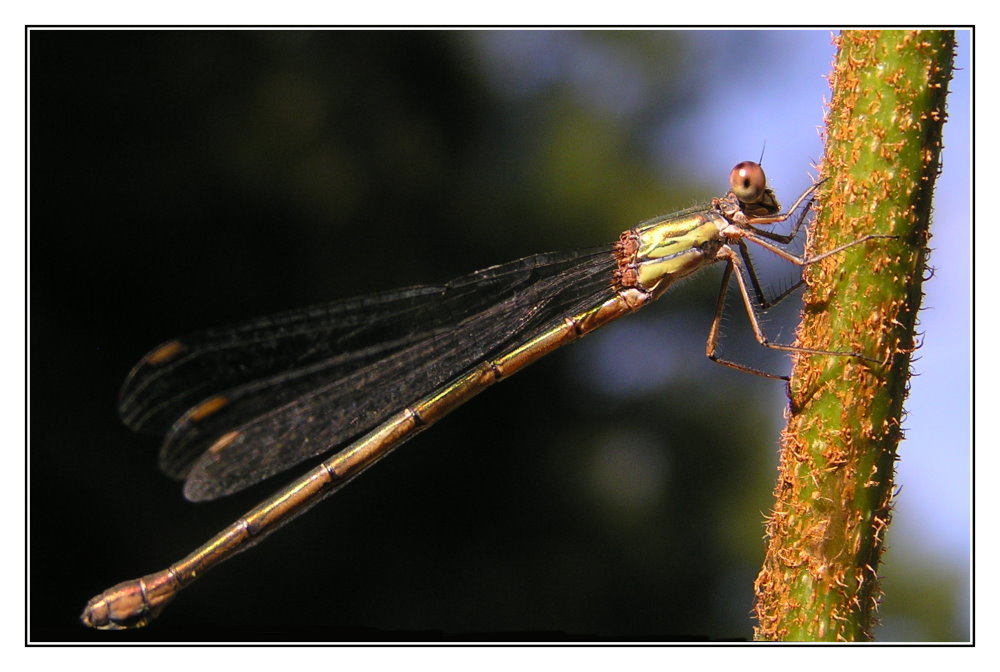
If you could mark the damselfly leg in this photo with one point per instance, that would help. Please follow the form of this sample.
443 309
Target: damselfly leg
745 228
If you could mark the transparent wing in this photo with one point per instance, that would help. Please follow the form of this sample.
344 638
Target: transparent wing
242 403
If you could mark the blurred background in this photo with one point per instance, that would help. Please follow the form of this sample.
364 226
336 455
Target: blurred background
616 490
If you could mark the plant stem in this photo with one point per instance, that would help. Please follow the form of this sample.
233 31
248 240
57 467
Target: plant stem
833 497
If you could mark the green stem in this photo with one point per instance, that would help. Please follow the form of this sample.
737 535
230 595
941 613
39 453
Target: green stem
819 581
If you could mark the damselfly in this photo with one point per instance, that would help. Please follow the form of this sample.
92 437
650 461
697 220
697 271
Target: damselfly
361 376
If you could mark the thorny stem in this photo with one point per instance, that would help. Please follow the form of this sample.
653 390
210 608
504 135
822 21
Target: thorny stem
833 497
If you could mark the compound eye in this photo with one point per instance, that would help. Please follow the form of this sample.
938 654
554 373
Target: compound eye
747 182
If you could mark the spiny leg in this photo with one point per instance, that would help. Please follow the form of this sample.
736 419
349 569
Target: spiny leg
763 302
777 219
713 331
802 261
798 261
749 222
733 262
745 253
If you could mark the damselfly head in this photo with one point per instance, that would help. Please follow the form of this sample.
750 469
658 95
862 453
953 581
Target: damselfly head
747 182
